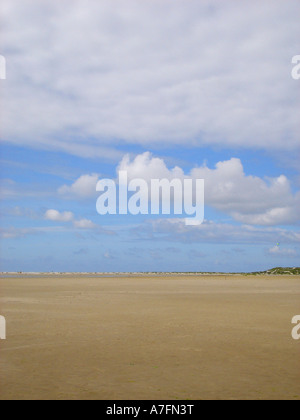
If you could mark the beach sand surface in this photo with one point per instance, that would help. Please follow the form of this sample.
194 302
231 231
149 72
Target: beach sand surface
149 337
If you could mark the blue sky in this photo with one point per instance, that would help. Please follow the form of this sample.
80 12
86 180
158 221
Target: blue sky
202 87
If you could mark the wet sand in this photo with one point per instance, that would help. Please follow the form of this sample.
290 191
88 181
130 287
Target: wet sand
150 337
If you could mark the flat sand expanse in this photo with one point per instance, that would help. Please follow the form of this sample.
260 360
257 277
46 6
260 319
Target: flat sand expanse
180 337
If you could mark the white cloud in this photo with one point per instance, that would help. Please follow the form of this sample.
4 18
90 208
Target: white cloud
8 189
81 79
84 224
275 216
56 216
147 166
83 187
12 190
248 199
13 233
68 217
176 231
282 252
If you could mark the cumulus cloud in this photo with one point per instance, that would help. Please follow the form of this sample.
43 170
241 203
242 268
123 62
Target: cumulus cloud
56 216
83 187
82 79
67 216
248 199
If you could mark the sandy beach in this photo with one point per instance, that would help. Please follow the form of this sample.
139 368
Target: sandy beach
149 337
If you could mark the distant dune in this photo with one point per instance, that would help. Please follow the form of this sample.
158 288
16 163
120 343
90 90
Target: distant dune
293 271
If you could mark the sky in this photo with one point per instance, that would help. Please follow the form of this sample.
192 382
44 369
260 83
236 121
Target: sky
160 89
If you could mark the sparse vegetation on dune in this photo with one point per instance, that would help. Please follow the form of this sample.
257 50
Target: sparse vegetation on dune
292 271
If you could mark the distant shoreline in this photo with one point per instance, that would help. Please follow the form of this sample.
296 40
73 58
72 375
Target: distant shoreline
279 271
